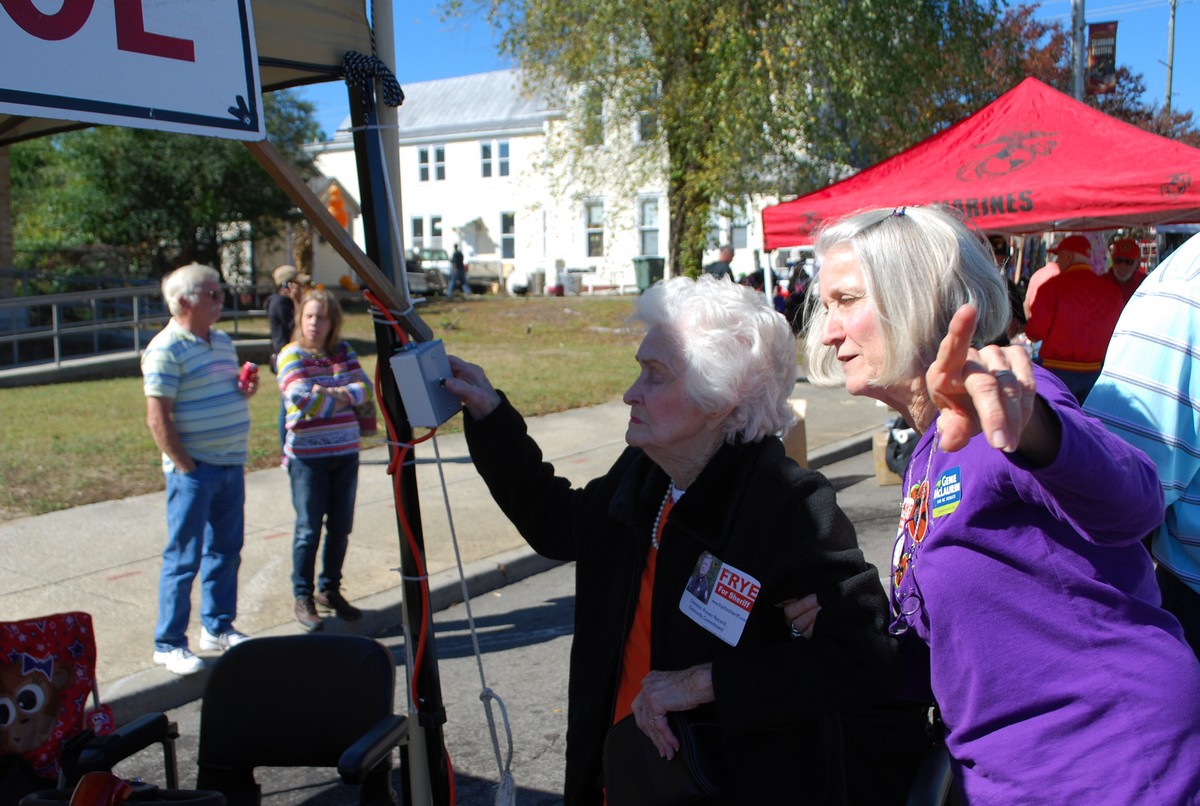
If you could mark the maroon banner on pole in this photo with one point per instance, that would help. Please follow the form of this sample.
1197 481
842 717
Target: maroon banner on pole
1102 58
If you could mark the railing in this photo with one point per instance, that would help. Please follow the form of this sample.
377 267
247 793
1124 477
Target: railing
55 327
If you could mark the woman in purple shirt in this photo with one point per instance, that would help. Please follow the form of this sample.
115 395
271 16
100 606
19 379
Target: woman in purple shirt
1020 586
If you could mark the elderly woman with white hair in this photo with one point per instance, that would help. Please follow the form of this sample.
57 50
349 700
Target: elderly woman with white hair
1019 579
704 484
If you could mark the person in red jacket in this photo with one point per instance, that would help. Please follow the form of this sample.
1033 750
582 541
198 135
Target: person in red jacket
1126 270
1073 316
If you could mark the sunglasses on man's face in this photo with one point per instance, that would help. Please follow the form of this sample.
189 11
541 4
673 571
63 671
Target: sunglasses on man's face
1127 261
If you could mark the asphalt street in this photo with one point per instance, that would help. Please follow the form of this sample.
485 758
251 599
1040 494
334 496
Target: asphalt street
524 632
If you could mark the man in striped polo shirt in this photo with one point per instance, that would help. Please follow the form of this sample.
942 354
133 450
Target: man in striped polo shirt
1149 394
200 420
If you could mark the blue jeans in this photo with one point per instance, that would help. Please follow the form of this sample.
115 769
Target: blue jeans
458 280
323 491
282 422
1079 383
205 530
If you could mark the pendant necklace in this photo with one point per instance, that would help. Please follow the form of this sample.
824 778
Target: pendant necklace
914 526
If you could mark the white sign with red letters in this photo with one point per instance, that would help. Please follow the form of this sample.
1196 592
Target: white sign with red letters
723 603
173 65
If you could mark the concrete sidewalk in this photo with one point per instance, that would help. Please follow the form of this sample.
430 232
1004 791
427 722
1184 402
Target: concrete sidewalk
104 558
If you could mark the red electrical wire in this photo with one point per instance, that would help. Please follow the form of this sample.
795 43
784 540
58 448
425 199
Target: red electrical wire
393 469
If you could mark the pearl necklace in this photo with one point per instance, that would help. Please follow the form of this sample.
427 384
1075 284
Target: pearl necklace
658 518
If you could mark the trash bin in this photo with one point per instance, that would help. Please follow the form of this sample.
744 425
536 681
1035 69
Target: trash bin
537 283
573 285
649 270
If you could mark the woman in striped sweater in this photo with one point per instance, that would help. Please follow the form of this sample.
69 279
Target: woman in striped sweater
321 382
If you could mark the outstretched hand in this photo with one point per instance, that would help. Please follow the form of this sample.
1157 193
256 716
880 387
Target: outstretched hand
472 386
991 389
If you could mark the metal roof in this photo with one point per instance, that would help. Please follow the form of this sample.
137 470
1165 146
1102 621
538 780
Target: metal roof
467 106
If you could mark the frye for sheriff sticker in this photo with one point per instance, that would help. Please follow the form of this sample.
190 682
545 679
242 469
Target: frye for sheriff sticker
719 598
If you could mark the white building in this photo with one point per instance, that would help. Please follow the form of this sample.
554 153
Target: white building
477 167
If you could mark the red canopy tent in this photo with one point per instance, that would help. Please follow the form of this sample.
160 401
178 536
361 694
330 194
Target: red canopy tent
1032 160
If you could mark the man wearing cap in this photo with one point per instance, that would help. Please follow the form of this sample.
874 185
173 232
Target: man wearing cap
1073 316
1126 270
281 314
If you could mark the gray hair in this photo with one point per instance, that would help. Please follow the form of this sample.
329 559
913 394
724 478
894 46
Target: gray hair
185 283
919 265
739 351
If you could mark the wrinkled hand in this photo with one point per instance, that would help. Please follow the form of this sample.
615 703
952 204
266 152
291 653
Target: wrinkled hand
473 388
990 390
670 691
801 614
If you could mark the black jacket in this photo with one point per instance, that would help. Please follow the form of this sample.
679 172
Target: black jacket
754 509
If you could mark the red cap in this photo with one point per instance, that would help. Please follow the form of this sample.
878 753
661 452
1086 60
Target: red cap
1074 243
1125 248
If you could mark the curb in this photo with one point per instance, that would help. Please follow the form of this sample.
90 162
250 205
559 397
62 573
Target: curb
156 689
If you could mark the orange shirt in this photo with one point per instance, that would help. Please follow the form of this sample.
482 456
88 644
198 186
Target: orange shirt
635 665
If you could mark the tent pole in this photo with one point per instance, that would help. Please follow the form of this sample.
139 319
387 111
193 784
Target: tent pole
428 769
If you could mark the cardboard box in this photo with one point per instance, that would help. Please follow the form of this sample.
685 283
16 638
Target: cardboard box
795 441
883 474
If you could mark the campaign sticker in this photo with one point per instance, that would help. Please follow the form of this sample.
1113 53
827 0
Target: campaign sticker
719 598
947 493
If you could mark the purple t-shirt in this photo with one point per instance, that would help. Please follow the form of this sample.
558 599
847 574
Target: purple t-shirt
1059 676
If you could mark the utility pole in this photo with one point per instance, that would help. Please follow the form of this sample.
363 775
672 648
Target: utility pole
1170 58
1079 62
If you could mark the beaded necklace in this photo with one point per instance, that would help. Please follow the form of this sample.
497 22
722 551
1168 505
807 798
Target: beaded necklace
662 508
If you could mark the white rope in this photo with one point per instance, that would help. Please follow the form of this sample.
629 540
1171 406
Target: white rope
506 794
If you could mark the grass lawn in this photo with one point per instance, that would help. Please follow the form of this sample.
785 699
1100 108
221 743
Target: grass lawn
77 443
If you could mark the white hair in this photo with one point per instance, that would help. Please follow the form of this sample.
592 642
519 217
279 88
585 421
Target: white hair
739 351
185 283
919 266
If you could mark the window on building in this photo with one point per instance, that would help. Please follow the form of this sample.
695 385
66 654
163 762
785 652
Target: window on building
648 225
493 158
593 215
423 164
439 163
592 120
418 233
647 126
508 235
739 227
435 232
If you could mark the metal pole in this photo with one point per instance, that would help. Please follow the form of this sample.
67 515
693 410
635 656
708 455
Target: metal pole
1079 63
428 769
1170 58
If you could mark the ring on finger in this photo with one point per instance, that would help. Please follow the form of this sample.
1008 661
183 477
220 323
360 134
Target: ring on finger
1004 375
795 631
660 716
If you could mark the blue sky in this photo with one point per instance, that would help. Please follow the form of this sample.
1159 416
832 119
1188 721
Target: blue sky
428 48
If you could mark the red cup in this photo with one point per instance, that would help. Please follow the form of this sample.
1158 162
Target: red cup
249 373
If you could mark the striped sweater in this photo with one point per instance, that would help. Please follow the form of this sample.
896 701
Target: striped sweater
317 425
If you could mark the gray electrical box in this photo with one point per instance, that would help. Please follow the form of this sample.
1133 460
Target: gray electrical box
419 370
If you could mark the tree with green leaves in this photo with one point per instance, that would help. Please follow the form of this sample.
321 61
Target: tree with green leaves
754 95
776 96
162 198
